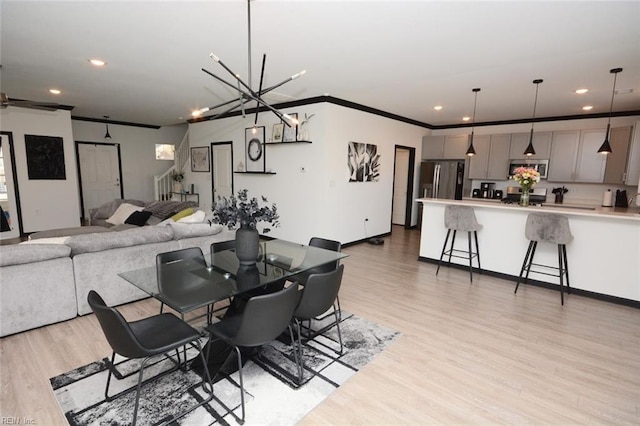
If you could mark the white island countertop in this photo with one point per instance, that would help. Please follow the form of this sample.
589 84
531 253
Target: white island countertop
603 258
629 213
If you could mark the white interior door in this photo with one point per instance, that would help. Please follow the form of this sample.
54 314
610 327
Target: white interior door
222 169
99 173
398 216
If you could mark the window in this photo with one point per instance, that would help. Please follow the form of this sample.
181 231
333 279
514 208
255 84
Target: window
165 151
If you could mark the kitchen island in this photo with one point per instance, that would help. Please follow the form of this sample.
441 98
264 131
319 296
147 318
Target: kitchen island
603 258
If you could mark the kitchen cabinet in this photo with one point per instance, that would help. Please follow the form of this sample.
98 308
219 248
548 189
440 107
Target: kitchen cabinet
589 164
520 141
616 162
453 147
492 157
633 165
574 157
564 151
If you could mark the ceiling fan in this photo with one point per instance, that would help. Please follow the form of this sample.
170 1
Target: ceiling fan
47 106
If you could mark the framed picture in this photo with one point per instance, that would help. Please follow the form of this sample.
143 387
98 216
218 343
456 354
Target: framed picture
45 157
200 159
254 149
278 131
291 132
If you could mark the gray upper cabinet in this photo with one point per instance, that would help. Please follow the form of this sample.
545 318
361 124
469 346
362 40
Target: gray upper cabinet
590 165
633 165
564 151
541 144
444 147
492 157
478 163
616 163
575 158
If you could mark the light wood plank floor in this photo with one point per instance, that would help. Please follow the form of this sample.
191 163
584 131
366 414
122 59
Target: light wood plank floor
468 354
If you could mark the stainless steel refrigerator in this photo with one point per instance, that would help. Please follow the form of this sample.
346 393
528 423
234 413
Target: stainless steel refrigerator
442 179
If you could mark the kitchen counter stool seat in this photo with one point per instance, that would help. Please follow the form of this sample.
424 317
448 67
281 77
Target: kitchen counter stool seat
461 218
547 228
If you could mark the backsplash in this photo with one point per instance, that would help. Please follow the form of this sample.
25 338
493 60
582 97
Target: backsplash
579 193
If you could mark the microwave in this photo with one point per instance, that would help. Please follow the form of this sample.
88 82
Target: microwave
541 166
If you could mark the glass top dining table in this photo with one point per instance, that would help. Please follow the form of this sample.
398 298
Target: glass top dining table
189 284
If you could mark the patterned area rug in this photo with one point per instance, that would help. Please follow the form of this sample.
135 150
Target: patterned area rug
272 396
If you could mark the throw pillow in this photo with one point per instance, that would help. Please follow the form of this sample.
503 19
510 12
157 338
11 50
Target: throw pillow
197 217
138 218
184 213
122 213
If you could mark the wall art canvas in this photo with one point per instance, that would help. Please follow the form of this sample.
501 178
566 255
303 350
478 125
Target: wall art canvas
364 162
200 159
45 157
291 132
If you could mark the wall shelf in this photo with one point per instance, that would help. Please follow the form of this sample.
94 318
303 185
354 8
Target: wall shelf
257 173
286 143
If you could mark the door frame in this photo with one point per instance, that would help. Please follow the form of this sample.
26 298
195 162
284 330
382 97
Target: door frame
14 175
78 143
212 144
410 181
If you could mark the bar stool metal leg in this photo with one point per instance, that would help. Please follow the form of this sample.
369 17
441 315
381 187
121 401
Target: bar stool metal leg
470 257
566 266
475 236
453 241
561 273
444 248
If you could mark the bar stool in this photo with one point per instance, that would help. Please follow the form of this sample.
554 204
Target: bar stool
547 228
460 218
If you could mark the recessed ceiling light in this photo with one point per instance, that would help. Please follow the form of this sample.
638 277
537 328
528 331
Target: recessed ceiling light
587 107
582 91
437 107
97 62
466 118
55 91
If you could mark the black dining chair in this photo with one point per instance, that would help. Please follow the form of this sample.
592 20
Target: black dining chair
146 338
317 296
326 244
170 257
262 320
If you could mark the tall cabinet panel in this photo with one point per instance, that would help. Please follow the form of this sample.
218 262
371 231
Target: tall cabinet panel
452 147
564 151
590 165
541 144
498 167
633 165
478 163
616 163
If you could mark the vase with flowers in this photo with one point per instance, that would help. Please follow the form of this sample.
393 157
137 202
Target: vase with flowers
244 214
527 179
178 177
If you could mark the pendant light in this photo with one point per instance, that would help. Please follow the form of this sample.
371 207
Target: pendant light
530 151
605 148
471 150
107 136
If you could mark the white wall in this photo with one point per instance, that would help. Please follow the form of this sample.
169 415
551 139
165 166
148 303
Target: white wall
579 193
137 150
45 204
319 201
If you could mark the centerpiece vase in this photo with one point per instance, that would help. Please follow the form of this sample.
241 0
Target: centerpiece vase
247 245
524 198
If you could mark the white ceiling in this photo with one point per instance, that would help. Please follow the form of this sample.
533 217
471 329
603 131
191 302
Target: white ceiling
402 57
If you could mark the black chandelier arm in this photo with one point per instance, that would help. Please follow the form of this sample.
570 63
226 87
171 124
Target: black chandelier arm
218 60
251 96
264 59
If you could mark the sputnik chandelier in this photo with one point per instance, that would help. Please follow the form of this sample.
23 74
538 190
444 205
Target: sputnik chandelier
245 92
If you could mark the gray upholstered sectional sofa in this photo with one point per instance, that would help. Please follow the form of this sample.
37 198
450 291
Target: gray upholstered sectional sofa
42 284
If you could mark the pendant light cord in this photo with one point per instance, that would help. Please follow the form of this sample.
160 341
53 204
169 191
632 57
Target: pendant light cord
613 92
535 102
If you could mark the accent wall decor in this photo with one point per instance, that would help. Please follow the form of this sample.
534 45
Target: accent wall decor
364 162
278 130
45 157
254 149
200 159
